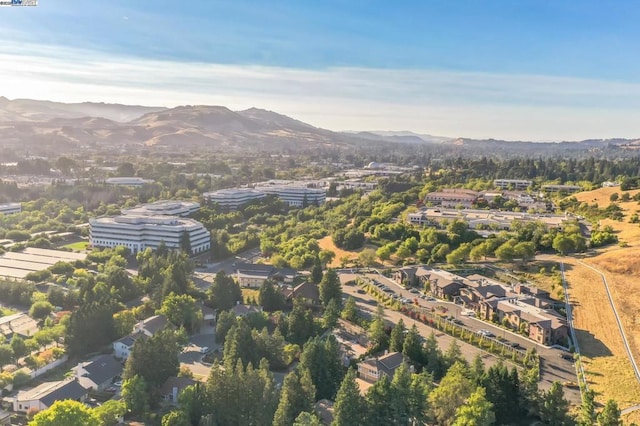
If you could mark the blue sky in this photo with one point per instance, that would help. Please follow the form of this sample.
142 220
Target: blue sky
538 70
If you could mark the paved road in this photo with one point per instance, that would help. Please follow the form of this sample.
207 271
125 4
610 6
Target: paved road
553 367
191 356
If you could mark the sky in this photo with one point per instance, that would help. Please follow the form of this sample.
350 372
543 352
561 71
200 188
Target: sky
541 70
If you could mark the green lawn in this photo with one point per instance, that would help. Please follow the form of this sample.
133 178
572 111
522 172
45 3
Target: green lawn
80 245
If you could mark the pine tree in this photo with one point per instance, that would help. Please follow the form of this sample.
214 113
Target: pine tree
298 395
588 408
412 346
330 287
553 407
610 415
321 357
455 387
396 340
476 411
349 406
379 412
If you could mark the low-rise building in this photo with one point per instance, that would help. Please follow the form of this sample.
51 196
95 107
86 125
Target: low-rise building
122 347
296 195
20 324
253 275
10 208
372 369
561 188
164 208
173 386
127 181
99 373
512 183
150 326
43 396
137 232
452 197
234 198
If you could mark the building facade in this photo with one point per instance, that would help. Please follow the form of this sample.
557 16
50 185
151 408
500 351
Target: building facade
164 208
10 208
140 232
512 183
296 195
234 198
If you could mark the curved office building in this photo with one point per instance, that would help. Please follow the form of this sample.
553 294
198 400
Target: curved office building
139 232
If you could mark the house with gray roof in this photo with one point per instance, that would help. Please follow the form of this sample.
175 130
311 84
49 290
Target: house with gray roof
43 396
99 373
372 369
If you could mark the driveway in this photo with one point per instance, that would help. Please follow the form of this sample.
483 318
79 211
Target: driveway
191 356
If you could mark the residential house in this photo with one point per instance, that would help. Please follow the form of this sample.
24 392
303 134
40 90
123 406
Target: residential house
252 275
18 324
43 396
123 347
173 386
99 373
307 292
151 325
372 369
208 315
241 310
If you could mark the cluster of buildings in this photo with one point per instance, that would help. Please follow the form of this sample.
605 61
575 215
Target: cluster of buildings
293 193
522 307
484 219
10 208
149 226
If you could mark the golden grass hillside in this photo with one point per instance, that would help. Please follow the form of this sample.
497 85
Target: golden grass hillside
608 367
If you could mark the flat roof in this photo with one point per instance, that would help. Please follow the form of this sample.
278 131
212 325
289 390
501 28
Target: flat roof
19 264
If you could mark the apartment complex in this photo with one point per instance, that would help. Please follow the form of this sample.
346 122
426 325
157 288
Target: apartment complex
10 208
137 232
512 183
521 307
234 198
164 208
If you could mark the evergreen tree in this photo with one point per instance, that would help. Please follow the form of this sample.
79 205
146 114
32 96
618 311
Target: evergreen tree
476 411
610 415
331 315
396 341
321 357
412 346
270 298
135 394
300 324
298 395
224 292
350 310
349 408
239 345
379 411
553 406
454 389
377 333
588 408
502 390
330 287
154 359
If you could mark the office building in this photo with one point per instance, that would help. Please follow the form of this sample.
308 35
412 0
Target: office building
140 232
164 208
234 198
10 208
512 183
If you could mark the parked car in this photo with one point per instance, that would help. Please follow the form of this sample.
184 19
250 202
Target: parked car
571 385
360 291
204 349
486 333
566 355
513 345
414 291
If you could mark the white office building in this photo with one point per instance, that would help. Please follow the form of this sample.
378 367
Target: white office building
127 181
164 208
296 195
139 232
234 198
512 183
10 208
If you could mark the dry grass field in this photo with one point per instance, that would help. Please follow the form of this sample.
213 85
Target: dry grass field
608 368
326 243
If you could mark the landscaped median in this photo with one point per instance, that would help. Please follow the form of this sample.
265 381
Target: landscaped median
438 321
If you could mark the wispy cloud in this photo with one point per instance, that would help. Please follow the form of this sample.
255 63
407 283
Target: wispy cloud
438 102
